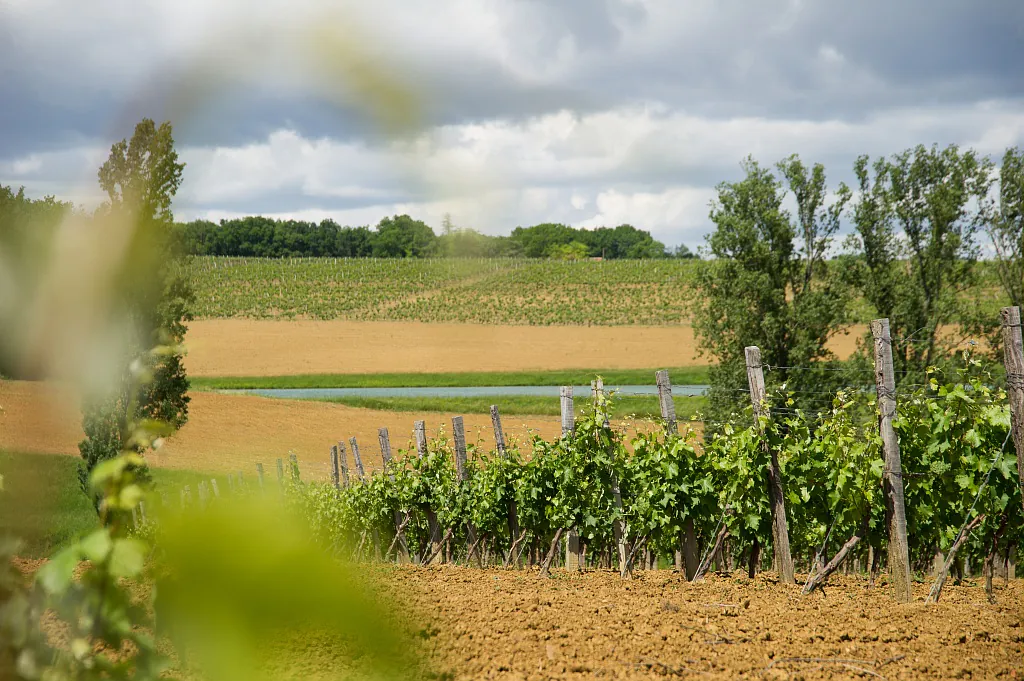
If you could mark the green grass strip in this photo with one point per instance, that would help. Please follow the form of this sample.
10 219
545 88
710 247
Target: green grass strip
515 405
679 375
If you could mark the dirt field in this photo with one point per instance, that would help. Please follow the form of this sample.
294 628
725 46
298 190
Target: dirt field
242 347
233 432
499 624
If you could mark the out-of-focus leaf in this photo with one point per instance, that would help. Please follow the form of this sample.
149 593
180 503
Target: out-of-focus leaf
127 557
55 576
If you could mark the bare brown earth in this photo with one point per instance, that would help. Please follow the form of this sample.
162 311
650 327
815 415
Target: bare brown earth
244 347
227 433
496 624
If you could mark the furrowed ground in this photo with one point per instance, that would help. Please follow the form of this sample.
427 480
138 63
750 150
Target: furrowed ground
502 624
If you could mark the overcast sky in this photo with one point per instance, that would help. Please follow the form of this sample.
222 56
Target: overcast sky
501 113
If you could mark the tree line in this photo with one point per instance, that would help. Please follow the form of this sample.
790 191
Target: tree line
402 236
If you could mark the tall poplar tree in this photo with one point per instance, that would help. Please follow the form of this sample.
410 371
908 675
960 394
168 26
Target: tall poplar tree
140 178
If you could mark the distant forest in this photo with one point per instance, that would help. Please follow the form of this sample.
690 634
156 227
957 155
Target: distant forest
404 237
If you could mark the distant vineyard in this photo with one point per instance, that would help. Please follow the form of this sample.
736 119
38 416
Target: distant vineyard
489 291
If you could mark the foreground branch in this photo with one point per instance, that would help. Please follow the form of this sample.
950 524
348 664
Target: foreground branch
832 566
705 564
512 550
545 568
940 580
398 535
440 545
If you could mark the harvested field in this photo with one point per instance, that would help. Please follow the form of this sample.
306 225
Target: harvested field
243 347
500 624
233 432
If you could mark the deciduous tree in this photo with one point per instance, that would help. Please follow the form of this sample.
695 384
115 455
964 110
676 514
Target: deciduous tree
769 283
916 217
140 178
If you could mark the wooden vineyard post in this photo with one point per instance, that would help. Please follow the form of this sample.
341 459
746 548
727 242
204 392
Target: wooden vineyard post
419 429
499 444
499 434
686 555
280 473
401 519
619 531
259 474
384 440
568 415
459 437
573 550
213 486
355 457
343 462
892 482
780 528
335 471
293 461
1013 357
668 407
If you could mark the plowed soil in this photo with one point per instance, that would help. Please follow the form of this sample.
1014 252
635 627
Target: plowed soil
244 347
227 433
498 624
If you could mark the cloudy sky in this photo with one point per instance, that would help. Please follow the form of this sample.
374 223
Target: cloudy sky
499 112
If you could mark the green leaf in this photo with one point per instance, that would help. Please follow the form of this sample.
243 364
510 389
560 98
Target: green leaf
56 575
95 546
128 557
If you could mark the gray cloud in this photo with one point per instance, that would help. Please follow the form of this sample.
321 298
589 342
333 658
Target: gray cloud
826 79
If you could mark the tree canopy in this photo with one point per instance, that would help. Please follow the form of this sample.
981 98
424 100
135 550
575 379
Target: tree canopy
402 236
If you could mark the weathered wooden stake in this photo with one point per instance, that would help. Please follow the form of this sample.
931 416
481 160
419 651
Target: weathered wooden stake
568 415
355 457
668 407
293 460
1013 357
419 429
885 386
384 440
280 473
573 553
499 434
776 495
335 470
259 474
401 519
213 486
343 462
459 437
499 443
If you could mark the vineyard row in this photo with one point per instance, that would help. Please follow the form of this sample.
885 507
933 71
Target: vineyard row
891 486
